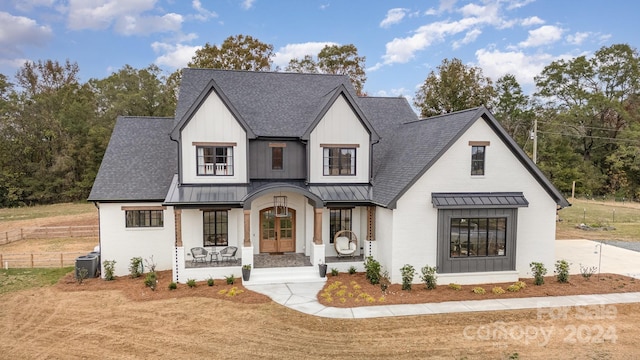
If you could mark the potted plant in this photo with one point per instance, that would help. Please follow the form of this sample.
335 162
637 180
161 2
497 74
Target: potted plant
246 272
322 267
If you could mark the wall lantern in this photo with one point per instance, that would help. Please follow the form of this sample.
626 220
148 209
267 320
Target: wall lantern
280 206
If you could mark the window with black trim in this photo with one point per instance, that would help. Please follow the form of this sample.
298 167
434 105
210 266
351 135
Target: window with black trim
144 218
339 219
477 237
216 227
338 161
277 159
215 160
477 160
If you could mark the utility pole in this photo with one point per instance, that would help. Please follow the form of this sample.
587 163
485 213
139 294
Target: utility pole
534 137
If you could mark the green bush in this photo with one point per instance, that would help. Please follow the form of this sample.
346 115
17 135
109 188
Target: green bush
210 281
539 272
135 267
151 280
173 286
384 281
407 272
191 283
81 274
109 269
456 287
478 290
352 270
562 271
230 279
334 272
498 290
372 270
429 276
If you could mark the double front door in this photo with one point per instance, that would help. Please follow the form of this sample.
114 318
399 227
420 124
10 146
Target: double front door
277 233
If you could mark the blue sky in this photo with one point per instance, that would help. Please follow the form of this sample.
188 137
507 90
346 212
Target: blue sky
401 40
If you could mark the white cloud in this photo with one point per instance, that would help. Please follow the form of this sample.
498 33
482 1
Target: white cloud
247 4
531 21
144 25
17 32
470 37
203 14
28 5
524 66
175 56
324 6
577 38
543 35
126 16
292 51
394 16
515 4
445 6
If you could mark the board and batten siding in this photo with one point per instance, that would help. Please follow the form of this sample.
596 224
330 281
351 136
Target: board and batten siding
339 125
213 123
294 160
415 220
119 243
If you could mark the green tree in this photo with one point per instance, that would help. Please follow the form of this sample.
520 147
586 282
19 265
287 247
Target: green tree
337 60
454 87
513 109
240 52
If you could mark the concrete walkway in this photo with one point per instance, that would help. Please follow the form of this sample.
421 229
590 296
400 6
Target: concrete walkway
303 296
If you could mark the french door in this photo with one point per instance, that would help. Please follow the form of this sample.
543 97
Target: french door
277 233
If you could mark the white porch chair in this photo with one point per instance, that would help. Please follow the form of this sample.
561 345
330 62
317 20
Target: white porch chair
345 243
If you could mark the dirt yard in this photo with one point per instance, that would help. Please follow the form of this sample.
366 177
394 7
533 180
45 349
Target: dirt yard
82 321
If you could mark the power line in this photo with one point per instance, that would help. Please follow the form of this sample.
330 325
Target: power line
592 137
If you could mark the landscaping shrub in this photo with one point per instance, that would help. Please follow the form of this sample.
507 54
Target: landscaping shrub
562 271
230 279
372 270
539 271
135 267
498 290
151 280
109 269
429 276
407 272
352 270
587 271
173 286
334 272
191 283
210 281
478 290
455 286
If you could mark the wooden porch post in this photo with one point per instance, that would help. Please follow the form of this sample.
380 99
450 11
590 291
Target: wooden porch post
178 219
247 228
371 223
317 226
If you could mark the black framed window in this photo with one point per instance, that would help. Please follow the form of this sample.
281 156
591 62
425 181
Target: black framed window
215 160
277 159
216 227
144 218
339 219
478 237
477 160
339 161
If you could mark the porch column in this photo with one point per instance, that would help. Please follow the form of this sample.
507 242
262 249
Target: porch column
178 220
317 226
247 227
371 223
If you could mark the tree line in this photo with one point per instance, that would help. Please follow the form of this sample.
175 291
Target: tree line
54 128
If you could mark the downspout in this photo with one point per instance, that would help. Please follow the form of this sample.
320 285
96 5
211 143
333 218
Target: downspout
95 203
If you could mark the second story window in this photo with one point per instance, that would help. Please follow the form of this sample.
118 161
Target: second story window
215 160
477 156
339 161
277 158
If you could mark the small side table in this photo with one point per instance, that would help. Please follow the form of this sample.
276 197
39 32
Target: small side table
214 253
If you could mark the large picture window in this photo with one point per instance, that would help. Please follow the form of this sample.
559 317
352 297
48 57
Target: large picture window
215 160
477 237
339 219
144 218
339 161
216 227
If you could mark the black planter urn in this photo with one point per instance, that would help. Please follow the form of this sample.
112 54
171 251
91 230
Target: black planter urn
323 270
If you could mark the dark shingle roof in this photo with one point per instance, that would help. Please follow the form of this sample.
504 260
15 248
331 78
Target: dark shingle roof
414 147
270 103
139 162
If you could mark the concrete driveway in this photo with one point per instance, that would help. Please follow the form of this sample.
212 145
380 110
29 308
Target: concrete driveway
612 259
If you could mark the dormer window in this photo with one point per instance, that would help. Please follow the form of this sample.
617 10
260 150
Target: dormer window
339 160
215 159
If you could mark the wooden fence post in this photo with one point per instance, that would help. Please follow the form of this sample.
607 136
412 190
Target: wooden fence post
21 234
32 261
6 234
1 260
61 261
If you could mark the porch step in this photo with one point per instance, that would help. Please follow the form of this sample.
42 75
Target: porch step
281 275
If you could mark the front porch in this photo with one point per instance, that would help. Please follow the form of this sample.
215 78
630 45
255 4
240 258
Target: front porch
262 261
